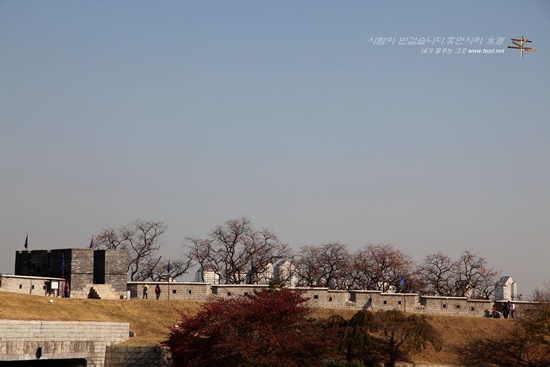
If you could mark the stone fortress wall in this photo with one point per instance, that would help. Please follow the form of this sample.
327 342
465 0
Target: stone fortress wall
83 268
333 299
55 340
102 274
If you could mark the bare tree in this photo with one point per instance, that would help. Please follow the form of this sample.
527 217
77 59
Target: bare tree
379 267
171 269
466 277
199 252
323 266
141 240
472 277
238 252
437 272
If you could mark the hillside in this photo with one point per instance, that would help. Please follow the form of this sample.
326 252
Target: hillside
151 319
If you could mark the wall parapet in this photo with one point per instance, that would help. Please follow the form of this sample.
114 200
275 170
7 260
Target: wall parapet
33 285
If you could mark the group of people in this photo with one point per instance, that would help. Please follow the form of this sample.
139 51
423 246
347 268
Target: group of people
146 291
508 311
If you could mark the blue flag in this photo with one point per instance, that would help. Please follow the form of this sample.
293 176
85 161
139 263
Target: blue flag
402 281
27 242
92 243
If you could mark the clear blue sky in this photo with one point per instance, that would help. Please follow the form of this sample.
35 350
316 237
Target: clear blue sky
196 112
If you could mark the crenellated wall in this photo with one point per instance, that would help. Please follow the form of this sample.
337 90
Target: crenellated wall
335 299
318 297
183 291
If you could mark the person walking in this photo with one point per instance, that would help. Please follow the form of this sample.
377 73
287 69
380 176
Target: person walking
505 310
512 308
157 291
145 291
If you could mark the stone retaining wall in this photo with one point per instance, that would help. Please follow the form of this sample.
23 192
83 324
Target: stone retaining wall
157 356
32 340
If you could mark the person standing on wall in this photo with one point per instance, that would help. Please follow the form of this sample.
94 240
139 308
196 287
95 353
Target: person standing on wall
505 310
512 308
67 290
145 290
157 291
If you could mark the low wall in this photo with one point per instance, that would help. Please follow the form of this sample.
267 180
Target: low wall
183 291
318 297
32 340
36 286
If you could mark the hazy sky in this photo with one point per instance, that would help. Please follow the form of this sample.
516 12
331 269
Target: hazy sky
288 112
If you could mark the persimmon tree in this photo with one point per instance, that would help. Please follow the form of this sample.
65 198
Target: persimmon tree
269 328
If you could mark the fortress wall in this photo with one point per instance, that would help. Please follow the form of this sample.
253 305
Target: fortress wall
456 306
36 286
183 291
33 263
27 340
80 268
228 290
119 356
110 268
318 297
77 268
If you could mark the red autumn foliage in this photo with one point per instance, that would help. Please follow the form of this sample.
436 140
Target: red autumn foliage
268 329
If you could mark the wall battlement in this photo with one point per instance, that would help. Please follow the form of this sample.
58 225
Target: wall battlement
334 299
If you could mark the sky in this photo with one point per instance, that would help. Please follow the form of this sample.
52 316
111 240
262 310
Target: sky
362 122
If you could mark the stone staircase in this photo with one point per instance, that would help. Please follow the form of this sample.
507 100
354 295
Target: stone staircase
102 291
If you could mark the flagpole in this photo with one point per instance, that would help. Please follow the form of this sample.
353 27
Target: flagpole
168 279
62 290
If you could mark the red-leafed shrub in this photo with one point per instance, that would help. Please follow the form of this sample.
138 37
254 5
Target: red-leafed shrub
267 329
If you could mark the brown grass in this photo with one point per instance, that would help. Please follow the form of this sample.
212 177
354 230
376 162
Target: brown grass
150 320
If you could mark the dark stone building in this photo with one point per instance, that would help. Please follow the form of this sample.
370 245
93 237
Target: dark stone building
91 273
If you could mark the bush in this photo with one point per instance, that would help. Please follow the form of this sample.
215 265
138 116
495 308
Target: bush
269 329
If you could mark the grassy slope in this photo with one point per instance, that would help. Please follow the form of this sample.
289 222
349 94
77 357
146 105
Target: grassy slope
151 319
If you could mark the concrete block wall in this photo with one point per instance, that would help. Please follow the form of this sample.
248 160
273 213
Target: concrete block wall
20 340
